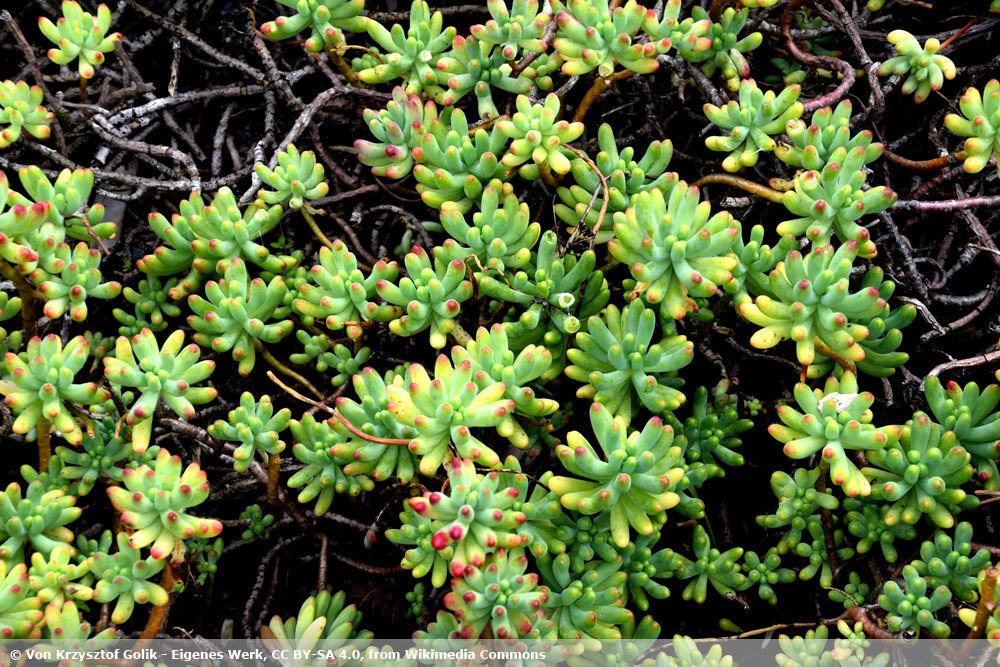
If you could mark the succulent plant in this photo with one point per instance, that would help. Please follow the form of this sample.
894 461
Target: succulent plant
256 426
80 35
323 475
235 315
537 137
155 501
687 654
832 420
520 28
619 367
952 563
176 256
72 275
590 606
323 618
459 527
20 612
921 475
924 68
854 593
475 67
430 296
979 121
338 293
55 578
765 573
676 250
831 201
710 566
546 529
326 19
259 523
168 373
443 410
501 236
21 110
623 175
455 163
715 46
296 180
63 624
370 415
99 456
635 483
555 293
712 431
326 357
815 549
911 607
864 521
66 198
813 144
973 418
413 54
38 517
751 121
399 128
810 302
152 305
40 381
591 35
636 560
493 361
502 595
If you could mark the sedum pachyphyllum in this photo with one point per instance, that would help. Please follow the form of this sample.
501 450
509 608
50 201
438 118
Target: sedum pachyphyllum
979 120
832 420
152 306
256 426
341 361
493 361
501 236
634 479
37 518
97 457
952 563
411 54
520 28
912 606
675 248
155 501
21 110
67 197
716 46
20 611
832 201
468 521
591 35
455 163
443 410
589 606
865 521
623 175
428 297
235 315
766 573
751 121
323 474
124 576
338 294
500 594
813 144
323 618
399 128
621 367
475 67
922 475
971 414
554 294
810 303
39 382
72 275
924 68
537 138
79 35
326 20
168 373
296 180
710 566
712 432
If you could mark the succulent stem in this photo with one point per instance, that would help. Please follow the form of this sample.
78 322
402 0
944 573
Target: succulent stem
273 477
460 335
844 363
345 69
44 443
826 519
311 221
987 605
83 91
285 370
744 184
859 615
600 85
933 164
547 176
27 294
158 614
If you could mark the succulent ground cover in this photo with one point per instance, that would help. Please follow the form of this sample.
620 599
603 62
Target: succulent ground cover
333 319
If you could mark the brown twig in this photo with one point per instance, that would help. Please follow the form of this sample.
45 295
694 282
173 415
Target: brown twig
844 67
158 615
606 193
744 184
946 205
932 164
871 629
601 84
285 370
987 605
29 321
978 360
842 361
44 433
273 477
